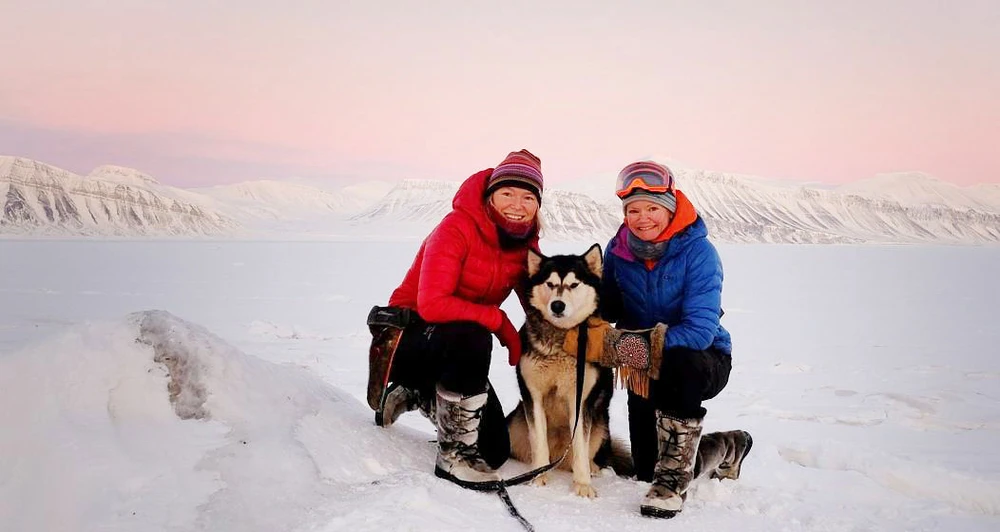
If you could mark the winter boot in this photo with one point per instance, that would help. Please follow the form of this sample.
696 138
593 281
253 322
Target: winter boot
458 458
721 454
737 445
427 403
674 470
398 400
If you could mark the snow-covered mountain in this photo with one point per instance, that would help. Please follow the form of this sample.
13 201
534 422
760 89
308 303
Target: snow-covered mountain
737 209
565 215
40 199
280 200
742 209
918 188
111 200
122 175
569 215
413 200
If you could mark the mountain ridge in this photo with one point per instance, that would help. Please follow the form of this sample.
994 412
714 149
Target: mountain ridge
41 199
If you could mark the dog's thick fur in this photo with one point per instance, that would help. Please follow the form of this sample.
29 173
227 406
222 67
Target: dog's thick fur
562 291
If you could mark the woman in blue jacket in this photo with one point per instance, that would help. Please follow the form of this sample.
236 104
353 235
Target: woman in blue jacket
661 268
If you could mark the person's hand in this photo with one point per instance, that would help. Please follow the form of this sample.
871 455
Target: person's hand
632 349
608 347
640 349
510 339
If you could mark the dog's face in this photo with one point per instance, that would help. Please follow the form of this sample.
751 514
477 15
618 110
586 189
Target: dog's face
564 288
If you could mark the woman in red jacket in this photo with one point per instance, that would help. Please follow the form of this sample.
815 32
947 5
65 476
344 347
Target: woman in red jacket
463 271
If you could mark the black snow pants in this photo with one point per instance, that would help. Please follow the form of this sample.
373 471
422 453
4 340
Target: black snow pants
455 355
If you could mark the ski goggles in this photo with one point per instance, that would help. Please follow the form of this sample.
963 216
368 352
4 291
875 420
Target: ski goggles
653 180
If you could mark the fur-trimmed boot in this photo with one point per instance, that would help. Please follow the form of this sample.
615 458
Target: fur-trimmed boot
458 458
674 470
721 454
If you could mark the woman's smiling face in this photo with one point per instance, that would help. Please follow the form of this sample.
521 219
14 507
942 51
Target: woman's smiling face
646 219
515 204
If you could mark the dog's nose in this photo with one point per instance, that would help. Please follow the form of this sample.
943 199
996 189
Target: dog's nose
558 307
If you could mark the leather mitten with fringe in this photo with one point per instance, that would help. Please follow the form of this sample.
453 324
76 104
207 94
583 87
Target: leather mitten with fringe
635 354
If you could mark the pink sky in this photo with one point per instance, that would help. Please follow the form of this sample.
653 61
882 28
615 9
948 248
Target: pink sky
212 92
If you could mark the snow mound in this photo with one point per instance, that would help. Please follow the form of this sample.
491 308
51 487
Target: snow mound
114 415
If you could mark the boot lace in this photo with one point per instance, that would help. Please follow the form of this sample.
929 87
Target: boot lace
465 427
672 472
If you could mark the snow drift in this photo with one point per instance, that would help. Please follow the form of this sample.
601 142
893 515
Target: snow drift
113 416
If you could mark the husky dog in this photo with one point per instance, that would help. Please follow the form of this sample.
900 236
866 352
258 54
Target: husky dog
562 292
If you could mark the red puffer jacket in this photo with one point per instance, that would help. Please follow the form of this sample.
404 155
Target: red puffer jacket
460 272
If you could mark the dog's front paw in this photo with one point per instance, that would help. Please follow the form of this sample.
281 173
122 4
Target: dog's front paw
584 490
595 470
540 480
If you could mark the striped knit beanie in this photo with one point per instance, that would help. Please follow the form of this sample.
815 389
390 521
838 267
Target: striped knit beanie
520 169
666 199
648 181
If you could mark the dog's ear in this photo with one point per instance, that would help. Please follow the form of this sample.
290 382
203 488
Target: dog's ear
534 262
595 259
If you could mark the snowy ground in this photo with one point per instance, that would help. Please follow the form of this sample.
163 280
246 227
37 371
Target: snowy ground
867 375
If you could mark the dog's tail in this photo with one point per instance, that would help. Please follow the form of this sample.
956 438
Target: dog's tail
618 456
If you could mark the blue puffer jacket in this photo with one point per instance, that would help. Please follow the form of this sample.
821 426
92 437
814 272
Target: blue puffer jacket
682 290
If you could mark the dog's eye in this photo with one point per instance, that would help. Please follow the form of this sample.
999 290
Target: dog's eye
574 285
552 286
